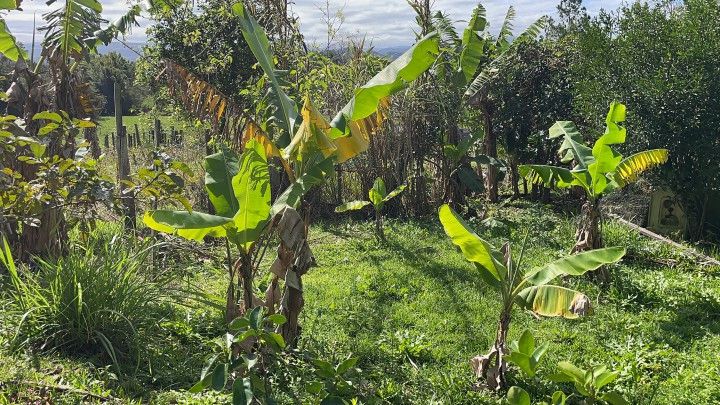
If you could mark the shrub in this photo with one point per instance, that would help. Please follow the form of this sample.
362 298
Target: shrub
98 298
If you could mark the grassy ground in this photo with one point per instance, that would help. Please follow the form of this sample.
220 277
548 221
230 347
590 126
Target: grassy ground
414 313
145 123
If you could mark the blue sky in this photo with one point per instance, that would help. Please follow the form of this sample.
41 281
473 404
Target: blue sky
385 22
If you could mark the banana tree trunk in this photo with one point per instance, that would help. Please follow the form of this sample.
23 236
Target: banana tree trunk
491 151
379 231
246 274
587 235
490 369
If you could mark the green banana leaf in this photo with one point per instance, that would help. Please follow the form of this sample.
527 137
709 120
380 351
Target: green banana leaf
395 77
573 146
8 44
575 265
474 248
293 195
352 206
220 169
551 300
251 186
287 113
395 193
189 225
473 44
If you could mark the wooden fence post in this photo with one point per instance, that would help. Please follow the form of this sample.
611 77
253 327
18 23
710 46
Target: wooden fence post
137 135
158 133
123 166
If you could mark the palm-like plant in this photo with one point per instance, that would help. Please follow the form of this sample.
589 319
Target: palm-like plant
304 142
528 288
468 64
598 171
378 196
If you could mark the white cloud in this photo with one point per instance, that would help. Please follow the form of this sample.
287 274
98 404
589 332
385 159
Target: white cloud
386 22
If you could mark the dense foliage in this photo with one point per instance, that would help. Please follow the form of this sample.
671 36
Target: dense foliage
244 285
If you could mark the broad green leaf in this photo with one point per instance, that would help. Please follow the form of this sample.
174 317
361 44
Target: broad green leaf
518 396
346 365
252 189
48 116
219 376
189 225
606 159
360 119
258 43
573 146
256 317
9 45
395 193
242 391
575 265
551 300
293 195
549 176
570 370
631 167
277 319
352 206
93 5
377 193
473 44
605 378
526 343
470 179
393 78
614 398
8 5
220 169
558 398
472 246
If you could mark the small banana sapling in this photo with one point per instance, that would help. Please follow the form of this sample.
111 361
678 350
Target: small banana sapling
528 288
378 197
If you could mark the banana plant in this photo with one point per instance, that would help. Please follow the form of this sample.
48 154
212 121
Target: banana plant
598 171
378 197
518 396
516 285
239 191
590 383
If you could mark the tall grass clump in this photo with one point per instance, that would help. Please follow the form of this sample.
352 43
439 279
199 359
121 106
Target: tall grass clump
100 299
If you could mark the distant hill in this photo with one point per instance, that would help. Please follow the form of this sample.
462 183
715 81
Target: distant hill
113 47
391 52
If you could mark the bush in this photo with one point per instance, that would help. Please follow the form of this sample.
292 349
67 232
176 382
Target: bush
98 299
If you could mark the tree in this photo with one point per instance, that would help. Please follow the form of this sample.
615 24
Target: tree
533 87
468 65
529 288
107 69
598 170
73 31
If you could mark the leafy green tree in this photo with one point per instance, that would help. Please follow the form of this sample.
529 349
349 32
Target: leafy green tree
204 41
598 171
107 69
528 288
467 65
533 86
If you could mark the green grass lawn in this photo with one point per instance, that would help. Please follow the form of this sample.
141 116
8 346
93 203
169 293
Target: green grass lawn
145 123
414 312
